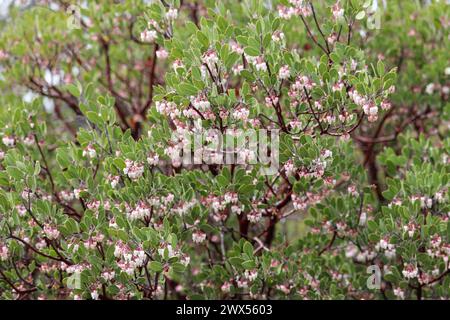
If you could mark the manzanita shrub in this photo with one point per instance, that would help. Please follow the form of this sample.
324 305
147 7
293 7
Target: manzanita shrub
116 182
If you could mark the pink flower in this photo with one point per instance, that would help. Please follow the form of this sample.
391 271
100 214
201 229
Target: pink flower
254 216
338 12
260 64
210 58
172 14
198 236
240 113
9 141
177 64
148 35
226 286
251 275
50 232
271 100
133 170
284 72
289 167
4 252
237 69
278 36
162 54
89 152
235 47
153 159
410 271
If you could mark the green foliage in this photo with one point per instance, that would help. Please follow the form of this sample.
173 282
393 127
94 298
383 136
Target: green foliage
94 204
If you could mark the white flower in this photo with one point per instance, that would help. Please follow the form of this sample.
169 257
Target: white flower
177 64
327 154
430 88
170 252
235 47
436 241
445 90
363 219
240 113
210 58
237 69
237 209
29 140
198 236
114 181
4 253
410 271
254 216
383 244
226 286
149 35
8 141
133 169
90 152
338 12
142 210
284 72
50 232
162 54
242 283
251 275
231 197
351 250
108 275
185 260
77 193
298 203
167 108
385 105
153 160
286 12
94 294
289 167
200 103
277 36
139 257
260 64
172 14
399 293
390 251
295 124
439 197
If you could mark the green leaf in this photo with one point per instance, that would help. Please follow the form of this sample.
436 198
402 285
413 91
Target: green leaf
251 51
372 225
156 266
448 231
203 39
14 172
73 89
37 168
248 249
94 117
249 264
236 261
360 15
62 158
186 89
178 267
248 75
380 68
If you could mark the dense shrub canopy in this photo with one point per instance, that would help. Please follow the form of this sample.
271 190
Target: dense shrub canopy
99 99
